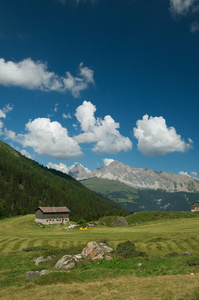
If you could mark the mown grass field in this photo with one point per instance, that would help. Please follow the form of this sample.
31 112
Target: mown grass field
162 275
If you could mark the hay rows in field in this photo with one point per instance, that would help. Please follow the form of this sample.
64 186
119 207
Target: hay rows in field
169 246
11 244
164 246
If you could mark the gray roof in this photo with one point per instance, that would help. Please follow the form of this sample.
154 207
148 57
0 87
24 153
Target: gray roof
48 210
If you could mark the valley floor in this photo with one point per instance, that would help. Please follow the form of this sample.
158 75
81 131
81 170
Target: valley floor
164 274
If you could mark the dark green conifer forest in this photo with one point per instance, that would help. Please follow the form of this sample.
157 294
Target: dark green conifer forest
25 185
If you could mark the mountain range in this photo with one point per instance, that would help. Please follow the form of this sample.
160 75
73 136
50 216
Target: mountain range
140 189
25 185
138 178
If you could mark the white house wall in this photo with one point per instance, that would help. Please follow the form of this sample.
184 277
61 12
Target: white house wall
52 221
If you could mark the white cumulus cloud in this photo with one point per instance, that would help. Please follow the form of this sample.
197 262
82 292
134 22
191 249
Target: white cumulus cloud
47 138
51 139
183 173
155 138
26 153
3 114
63 168
34 75
182 7
192 174
6 109
103 132
1 127
68 116
10 135
107 161
59 167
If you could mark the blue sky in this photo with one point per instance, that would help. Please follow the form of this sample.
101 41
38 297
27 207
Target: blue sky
92 81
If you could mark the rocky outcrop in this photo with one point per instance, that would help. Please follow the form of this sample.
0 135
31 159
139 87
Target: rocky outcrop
93 251
96 252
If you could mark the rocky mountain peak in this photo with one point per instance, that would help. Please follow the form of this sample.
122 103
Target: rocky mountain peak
140 178
79 172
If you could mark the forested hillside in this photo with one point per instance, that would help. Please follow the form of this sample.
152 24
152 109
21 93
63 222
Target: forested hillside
25 185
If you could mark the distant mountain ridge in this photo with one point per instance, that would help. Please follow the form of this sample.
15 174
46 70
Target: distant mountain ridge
139 178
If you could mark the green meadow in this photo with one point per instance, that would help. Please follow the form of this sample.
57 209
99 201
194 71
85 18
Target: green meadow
164 273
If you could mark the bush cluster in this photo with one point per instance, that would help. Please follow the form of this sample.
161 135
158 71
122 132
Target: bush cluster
128 250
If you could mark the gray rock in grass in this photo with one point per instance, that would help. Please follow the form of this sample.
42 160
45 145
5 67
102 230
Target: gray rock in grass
43 259
32 275
186 253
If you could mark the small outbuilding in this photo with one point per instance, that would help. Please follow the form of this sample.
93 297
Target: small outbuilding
195 206
52 215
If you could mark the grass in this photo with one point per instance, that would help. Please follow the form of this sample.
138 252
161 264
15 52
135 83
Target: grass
112 189
164 240
148 216
123 287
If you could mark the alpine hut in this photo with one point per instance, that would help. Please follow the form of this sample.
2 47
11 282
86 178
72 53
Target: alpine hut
52 215
195 206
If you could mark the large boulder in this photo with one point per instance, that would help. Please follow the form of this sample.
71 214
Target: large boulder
64 262
95 251
68 262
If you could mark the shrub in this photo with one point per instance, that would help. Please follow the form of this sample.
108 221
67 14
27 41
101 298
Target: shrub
194 261
35 249
82 222
128 250
107 221
172 254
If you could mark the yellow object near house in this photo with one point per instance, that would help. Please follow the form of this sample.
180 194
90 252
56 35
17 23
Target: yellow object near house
83 228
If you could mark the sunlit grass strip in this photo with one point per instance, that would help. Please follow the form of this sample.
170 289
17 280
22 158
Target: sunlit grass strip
19 244
7 246
122 287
